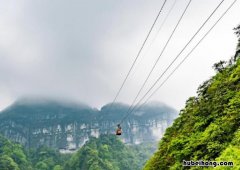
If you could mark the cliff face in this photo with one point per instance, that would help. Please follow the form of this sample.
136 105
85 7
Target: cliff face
68 126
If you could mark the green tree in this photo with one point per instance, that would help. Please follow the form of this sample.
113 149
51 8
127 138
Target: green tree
219 66
41 166
208 126
57 167
237 30
7 163
108 153
14 154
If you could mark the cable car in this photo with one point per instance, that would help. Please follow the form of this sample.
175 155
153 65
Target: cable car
119 130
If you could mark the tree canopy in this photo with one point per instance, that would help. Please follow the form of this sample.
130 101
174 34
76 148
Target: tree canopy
108 153
208 127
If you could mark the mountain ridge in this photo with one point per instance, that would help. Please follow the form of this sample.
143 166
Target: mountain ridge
68 127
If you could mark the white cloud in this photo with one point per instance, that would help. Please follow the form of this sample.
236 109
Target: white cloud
81 50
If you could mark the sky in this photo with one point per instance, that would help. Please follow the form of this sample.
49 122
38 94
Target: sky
82 50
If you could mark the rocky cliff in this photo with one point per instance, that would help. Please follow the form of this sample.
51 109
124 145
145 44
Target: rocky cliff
67 126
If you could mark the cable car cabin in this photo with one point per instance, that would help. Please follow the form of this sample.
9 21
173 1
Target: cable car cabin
119 130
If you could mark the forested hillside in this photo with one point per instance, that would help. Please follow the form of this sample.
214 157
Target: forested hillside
209 126
14 157
104 153
108 153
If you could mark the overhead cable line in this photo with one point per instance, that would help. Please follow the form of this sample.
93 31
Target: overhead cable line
165 19
161 26
138 106
153 67
138 54
176 57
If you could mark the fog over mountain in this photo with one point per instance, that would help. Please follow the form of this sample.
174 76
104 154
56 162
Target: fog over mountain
82 50
67 126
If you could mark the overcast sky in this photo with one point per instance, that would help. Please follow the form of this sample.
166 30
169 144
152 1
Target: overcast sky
81 50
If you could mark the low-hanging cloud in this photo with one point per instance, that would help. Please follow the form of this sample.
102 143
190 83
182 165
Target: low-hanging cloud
77 50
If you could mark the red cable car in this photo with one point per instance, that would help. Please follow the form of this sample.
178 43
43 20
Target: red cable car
119 130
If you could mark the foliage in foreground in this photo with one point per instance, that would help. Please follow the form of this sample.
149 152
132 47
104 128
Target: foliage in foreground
104 153
14 157
108 153
208 127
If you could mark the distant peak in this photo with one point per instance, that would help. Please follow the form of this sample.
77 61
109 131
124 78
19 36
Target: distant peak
114 105
48 101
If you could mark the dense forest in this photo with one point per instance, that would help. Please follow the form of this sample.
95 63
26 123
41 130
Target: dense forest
104 153
108 153
208 128
14 157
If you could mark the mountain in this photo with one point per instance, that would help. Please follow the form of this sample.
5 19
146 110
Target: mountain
208 128
67 126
